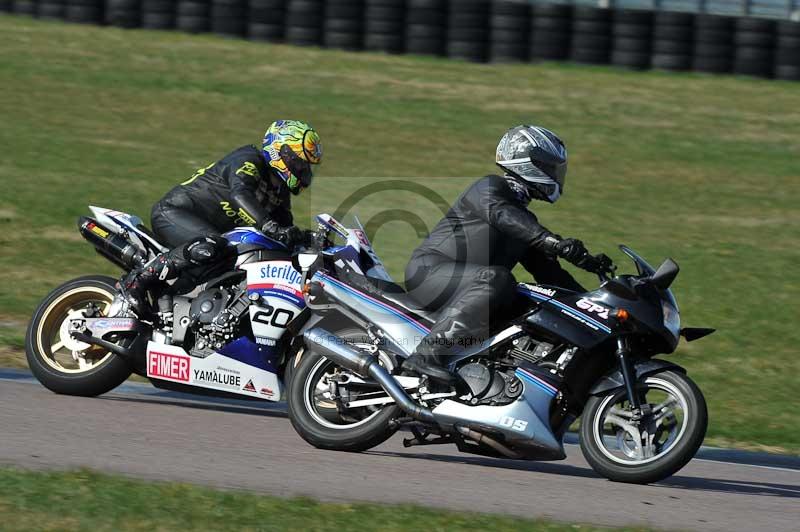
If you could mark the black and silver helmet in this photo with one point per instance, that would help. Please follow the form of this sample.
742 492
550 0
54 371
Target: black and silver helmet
537 158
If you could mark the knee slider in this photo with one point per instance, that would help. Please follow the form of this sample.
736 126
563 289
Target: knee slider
205 250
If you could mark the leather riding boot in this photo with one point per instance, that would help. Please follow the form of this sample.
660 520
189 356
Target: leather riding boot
429 358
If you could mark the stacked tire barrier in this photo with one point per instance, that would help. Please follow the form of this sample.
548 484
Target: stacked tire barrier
591 35
509 31
344 24
787 51
51 9
631 44
266 20
229 17
384 25
754 42
713 44
85 11
193 16
472 30
673 35
124 13
304 20
158 14
426 27
551 32
468 30
24 7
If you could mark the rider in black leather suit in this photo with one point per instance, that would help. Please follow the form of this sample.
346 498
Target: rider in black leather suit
464 266
247 187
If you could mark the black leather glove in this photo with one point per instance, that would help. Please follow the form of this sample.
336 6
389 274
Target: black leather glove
597 264
289 235
572 250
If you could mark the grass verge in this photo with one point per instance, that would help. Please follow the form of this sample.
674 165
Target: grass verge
702 168
84 500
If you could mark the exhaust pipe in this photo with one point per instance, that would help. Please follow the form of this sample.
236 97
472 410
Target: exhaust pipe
334 348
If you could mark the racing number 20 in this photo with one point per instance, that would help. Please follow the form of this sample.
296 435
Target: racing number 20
271 316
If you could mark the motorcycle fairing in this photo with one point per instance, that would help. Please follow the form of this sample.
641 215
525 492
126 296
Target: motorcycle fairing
524 423
253 237
404 330
121 222
216 372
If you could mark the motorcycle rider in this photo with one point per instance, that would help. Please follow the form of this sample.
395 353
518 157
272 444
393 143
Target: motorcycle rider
247 187
464 266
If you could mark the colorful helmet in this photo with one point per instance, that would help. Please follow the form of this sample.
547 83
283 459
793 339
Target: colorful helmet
537 158
291 147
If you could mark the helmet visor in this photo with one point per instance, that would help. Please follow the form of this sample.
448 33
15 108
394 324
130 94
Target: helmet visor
555 167
300 170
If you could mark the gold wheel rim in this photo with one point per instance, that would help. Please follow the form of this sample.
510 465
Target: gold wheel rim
50 342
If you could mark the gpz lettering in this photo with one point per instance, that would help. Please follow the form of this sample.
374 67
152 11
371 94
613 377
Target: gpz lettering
592 307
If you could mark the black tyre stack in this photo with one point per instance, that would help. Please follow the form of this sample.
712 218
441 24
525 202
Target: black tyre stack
24 7
124 13
158 14
267 20
468 30
754 42
229 17
591 35
713 44
509 31
304 20
85 11
384 25
673 35
551 31
632 31
787 52
193 16
344 24
426 27
51 9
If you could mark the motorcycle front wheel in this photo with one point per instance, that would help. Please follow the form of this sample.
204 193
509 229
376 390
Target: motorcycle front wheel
624 447
316 411
61 363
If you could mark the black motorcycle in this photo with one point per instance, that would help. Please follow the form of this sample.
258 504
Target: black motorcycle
561 356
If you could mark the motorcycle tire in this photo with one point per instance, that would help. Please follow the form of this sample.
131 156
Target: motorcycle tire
107 374
656 468
319 430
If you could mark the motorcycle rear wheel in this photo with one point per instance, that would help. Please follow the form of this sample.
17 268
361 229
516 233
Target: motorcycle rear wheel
61 363
655 448
319 422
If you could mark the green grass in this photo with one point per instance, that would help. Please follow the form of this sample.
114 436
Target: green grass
703 169
84 500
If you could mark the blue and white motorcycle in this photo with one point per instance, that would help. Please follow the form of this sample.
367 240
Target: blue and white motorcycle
227 331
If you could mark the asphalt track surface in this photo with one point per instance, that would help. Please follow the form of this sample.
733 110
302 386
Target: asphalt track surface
145 433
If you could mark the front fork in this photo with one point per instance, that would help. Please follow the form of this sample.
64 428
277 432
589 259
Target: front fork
628 374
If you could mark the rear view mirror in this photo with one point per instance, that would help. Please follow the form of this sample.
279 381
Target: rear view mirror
303 262
665 274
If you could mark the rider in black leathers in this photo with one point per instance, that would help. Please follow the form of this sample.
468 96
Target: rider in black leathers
464 266
247 187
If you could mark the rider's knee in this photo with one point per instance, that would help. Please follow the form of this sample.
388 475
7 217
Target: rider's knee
205 249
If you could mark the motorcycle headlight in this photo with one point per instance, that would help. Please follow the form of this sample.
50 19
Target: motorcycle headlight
672 318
